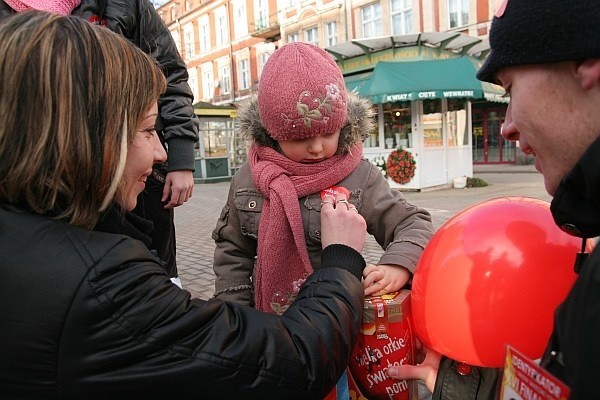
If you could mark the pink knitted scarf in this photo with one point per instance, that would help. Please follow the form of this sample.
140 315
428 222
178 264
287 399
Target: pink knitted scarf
63 7
282 260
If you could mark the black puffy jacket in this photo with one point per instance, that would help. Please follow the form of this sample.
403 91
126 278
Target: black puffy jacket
87 314
138 21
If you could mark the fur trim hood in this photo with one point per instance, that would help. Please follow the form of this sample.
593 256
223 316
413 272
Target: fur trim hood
361 121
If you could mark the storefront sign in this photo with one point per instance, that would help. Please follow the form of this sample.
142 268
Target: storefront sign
429 94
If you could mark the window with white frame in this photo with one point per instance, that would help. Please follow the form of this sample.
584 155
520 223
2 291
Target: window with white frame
225 79
240 20
371 20
458 13
244 74
193 82
188 5
261 14
401 16
331 33
173 13
293 37
262 60
177 40
188 40
204 33
208 88
311 35
221 27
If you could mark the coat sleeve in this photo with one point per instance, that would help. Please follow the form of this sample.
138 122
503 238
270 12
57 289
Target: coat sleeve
402 229
131 333
179 123
235 254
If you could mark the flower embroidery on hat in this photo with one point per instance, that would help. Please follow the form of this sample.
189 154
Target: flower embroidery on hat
324 106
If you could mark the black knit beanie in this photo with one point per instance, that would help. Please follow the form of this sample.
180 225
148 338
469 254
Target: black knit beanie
542 31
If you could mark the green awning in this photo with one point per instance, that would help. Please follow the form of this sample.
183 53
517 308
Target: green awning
432 79
359 83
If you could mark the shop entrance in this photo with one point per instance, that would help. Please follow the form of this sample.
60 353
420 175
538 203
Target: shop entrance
489 147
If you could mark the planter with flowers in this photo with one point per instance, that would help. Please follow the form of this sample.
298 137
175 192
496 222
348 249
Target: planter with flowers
400 167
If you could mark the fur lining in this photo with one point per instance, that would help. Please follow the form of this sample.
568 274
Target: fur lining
361 121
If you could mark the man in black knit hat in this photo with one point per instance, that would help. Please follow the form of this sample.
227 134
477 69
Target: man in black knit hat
546 55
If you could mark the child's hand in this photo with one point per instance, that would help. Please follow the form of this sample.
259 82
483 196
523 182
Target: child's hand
384 278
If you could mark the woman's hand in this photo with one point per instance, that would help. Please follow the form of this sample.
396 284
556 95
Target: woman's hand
384 278
341 223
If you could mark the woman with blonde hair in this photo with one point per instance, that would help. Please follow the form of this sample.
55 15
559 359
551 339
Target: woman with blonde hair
86 309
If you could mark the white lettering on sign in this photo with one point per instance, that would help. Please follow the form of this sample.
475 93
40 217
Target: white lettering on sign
540 379
459 93
397 97
394 345
426 95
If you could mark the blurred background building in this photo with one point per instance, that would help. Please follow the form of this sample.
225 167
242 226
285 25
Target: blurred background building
415 60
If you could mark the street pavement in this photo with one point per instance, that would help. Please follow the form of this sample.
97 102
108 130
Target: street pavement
196 219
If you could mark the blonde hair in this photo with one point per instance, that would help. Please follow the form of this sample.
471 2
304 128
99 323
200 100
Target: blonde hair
72 95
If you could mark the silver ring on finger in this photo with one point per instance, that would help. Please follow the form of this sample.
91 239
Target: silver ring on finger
352 208
345 202
326 202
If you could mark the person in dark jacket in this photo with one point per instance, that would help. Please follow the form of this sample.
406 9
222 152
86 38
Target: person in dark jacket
171 183
546 54
90 313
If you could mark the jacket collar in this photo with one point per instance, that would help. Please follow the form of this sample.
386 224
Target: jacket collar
115 220
576 204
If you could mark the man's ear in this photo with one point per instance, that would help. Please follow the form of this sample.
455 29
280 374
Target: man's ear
588 73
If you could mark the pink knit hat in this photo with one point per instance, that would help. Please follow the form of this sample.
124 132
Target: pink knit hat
301 93
63 7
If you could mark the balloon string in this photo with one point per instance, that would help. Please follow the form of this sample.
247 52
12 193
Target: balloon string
581 256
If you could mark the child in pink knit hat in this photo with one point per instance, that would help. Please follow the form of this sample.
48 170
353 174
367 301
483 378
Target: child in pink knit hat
307 136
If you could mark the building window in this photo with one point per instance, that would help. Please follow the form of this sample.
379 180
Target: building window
293 37
188 40
371 20
240 19
244 74
177 40
261 14
331 33
208 89
401 16
173 13
193 82
432 123
215 134
204 33
311 36
397 125
456 118
458 12
262 60
225 79
221 27
188 5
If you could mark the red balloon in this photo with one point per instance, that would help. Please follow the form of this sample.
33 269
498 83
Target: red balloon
493 275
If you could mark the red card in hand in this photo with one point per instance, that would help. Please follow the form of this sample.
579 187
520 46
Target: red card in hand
334 190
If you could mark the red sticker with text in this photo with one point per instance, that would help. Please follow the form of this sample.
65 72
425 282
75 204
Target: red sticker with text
334 190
